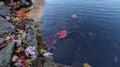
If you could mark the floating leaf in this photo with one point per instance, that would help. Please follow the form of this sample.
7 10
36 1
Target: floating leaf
62 34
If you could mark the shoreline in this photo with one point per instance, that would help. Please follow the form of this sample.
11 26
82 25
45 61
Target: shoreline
27 37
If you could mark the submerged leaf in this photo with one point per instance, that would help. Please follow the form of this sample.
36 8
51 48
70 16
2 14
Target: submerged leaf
74 16
87 65
115 59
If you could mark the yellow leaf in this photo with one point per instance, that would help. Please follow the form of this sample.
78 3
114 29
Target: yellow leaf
87 65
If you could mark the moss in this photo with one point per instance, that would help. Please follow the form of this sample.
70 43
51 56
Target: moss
41 45
39 39
37 26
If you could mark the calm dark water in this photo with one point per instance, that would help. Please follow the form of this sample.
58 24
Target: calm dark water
94 37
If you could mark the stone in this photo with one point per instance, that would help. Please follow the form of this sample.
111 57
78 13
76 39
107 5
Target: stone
6 29
1 40
51 64
4 11
6 54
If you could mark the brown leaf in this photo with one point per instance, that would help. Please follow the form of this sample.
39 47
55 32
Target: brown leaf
19 49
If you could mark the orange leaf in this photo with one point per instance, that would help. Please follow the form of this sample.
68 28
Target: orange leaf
24 16
21 11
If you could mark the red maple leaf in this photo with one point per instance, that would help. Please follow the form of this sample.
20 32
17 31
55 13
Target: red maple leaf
62 34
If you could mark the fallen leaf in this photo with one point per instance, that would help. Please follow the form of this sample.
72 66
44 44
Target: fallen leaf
14 58
22 58
8 39
28 63
29 15
19 49
30 50
87 65
42 51
7 17
62 34
24 16
21 11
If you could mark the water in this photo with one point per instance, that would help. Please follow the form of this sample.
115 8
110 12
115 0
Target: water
92 38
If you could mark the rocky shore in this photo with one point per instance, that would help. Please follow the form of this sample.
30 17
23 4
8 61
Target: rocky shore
17 39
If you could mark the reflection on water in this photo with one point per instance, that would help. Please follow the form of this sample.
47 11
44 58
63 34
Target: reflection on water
93 37
36 10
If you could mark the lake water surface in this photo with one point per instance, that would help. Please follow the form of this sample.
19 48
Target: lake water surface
93 37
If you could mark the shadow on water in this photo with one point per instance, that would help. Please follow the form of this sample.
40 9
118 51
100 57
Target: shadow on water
92 38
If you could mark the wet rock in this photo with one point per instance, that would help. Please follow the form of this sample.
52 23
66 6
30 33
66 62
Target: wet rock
51 64
77 64
31 38
38 62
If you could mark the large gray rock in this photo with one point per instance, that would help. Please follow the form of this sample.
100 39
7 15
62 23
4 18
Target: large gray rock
6 54
31 38
4 10
6 29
